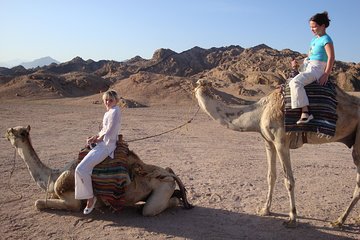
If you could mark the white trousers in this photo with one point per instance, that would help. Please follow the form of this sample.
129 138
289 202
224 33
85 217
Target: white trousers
313 71
83 183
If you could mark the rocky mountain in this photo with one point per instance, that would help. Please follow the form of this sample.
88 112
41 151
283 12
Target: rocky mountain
11 63
168 76
39 62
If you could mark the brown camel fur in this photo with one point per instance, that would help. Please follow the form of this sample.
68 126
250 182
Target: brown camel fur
267 118
152 184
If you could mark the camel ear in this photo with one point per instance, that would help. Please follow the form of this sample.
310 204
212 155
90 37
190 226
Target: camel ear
28 128
202 82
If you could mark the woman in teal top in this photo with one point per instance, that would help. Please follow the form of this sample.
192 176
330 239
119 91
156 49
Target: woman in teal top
317 66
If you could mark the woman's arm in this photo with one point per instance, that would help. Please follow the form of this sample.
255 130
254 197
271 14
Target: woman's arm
330 52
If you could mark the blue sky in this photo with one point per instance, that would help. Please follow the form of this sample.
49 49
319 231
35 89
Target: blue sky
119 29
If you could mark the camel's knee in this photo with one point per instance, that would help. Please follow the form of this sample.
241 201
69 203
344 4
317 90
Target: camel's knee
73 205
289 184
150 210
271 177
173 202
159 199
65 183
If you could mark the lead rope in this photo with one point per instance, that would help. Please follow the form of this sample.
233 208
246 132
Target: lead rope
47 190
171 130
9 184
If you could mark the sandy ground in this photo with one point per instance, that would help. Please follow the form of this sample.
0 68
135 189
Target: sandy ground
224 172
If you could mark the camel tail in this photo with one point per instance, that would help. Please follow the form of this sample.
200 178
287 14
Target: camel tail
181 194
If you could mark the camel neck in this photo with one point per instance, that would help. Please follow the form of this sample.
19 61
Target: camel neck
38 171
244 118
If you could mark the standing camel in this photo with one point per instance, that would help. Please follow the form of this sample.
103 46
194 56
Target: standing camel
267 118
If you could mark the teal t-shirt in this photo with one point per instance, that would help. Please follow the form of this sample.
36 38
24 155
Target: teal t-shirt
317 48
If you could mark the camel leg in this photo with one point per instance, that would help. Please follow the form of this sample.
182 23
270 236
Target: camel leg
356 195
160 199
271 177
67 202
284 157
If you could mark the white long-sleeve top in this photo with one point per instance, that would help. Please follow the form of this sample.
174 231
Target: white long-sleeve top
110 128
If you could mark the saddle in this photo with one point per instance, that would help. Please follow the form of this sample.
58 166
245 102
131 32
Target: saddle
111 176
323 103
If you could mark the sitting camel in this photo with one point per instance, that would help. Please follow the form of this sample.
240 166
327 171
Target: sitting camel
152 184
267 118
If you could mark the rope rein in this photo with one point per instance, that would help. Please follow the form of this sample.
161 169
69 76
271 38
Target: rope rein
47 190
171 130
9 184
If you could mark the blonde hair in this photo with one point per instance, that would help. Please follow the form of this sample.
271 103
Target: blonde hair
111 94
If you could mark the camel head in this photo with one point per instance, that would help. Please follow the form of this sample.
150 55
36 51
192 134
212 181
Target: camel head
16 134
204 88
202 85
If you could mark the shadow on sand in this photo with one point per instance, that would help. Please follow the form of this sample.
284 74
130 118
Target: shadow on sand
208 223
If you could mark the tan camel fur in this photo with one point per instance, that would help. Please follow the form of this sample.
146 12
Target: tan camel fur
266 117
152 184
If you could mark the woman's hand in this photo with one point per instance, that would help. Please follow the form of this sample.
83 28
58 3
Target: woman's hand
294 64
92 139
323 79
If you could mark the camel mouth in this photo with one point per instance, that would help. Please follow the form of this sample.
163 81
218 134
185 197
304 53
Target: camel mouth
7 134
202 83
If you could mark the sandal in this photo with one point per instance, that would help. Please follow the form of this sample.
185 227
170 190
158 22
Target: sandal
88 210
305 118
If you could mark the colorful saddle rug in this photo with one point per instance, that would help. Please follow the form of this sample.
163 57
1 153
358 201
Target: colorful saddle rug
322 100
111 176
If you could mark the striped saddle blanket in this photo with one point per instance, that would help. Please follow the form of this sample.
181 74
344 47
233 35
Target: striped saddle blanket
322 100
111 177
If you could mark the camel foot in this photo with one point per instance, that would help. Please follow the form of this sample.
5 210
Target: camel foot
336 224
263 212
290 224
58 204
40 204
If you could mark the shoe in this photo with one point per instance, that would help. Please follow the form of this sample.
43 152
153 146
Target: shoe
89 210
305 119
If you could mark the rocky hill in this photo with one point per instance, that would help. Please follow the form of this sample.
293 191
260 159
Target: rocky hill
167 77
39 62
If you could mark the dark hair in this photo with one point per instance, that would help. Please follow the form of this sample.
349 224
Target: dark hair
321 18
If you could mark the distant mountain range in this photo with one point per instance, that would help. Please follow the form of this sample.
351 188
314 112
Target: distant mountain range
167 76
40 62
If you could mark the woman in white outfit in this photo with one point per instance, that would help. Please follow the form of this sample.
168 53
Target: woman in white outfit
317 66
105 142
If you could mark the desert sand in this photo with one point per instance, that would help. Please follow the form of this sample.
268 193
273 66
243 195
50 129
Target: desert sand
224 172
